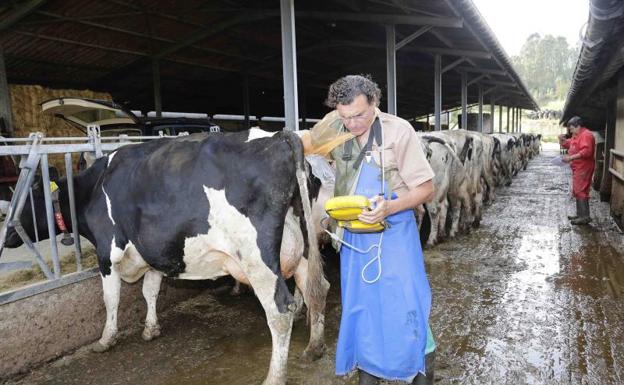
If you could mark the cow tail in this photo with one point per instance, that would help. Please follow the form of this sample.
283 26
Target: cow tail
314 291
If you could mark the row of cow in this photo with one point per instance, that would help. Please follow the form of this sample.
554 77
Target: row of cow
468 168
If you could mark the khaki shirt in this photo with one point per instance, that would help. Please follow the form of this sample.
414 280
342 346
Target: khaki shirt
406 165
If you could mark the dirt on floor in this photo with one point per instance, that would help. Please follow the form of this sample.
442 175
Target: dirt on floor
524 299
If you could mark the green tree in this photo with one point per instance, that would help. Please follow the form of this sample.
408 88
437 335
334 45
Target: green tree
546 65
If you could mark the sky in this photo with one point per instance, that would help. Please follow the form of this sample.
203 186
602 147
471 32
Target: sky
514 20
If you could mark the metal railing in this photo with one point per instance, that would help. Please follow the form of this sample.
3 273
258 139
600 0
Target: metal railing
34 152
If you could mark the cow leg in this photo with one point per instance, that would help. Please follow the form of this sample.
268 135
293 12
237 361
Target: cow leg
299 302
435 218
151 288
442 218
316 344
111 287
455 204
280 325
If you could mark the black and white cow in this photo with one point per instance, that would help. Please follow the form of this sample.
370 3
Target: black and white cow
200 207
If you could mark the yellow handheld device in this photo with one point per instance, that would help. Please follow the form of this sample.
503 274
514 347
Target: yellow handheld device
346 209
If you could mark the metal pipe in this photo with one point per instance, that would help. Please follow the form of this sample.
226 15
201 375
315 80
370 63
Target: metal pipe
69 172
56 264
289 64
391 69
5 100
246 107
464 100
156 85
492 112
508 115
437 90
480 116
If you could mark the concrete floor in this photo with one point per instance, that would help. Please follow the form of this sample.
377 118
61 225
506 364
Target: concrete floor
525 299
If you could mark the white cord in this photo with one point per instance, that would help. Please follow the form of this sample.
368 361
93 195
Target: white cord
376 258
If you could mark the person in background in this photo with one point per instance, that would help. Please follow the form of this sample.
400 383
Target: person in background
581 147
386 299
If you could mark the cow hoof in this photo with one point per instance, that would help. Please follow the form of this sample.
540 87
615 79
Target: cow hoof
99 347
149 333
313 354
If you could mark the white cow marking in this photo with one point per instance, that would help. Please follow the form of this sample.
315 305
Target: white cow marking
110 158
256 133
108 206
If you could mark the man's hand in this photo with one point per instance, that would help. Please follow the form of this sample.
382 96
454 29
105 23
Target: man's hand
566 159
379 213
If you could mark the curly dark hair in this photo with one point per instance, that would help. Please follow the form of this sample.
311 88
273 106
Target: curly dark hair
345 89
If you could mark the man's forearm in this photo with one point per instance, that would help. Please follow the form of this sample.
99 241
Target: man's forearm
412 198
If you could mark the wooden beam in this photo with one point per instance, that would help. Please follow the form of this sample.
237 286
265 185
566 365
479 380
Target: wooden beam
19 12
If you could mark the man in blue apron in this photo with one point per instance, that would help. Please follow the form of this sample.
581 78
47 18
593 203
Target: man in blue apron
384 330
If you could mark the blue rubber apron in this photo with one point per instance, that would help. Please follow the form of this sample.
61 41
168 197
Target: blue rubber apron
384 326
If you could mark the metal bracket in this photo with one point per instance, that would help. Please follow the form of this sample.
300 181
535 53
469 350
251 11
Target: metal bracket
93 131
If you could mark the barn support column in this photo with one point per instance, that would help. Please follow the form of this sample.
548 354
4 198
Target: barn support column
157 90
513 119
500 118
391 68
246 107
519 119
437 91
464 100
480 116
6 121
289 64
304 110
508 119
492 114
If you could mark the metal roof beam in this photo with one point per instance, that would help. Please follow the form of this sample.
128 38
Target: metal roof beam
475 80
20 12
382 18
413 36
501 83
145 36
454 64
483 71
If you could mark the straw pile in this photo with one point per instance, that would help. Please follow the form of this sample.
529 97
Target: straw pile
27 116
26 108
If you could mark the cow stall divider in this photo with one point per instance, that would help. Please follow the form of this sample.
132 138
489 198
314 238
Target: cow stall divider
33 153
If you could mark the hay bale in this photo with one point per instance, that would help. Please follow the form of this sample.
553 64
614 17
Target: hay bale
27 116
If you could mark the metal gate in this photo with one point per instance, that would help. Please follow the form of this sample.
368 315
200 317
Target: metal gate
33 152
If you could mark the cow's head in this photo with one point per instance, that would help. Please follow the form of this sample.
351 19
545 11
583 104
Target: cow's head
27 219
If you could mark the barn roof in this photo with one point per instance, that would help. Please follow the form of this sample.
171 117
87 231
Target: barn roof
206 51
599 61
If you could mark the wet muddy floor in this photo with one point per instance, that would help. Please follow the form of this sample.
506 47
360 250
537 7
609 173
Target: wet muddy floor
524 299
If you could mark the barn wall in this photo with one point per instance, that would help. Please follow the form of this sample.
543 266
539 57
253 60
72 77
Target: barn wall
617 191
37 329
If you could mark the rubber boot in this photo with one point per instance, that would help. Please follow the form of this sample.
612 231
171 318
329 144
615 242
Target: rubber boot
570 217
428 377
583 217
367 379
